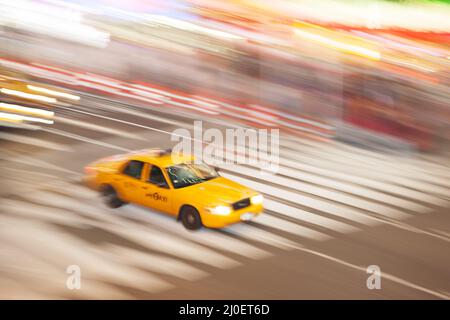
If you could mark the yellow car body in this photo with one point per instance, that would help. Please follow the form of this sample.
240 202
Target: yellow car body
218 201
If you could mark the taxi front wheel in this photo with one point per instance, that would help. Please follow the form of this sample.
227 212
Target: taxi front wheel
111 198
191 218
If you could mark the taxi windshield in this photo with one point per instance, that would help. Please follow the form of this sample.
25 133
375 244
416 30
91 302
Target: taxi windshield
187 174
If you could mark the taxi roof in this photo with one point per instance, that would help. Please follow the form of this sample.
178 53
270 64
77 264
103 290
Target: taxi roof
160 157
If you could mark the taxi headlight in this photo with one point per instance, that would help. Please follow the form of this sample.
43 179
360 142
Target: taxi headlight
258 199
220 210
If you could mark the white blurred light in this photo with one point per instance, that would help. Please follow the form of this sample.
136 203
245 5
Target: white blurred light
27 95
339 45
184 25
50 20
26 110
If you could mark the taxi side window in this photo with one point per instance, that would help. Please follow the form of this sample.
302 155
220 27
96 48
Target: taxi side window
134 169
157 177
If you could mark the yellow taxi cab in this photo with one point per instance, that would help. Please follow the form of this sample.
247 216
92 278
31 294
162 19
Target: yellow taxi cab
190 190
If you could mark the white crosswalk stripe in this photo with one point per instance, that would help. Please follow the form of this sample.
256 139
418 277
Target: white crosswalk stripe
255 234
156 263
290 227
147 237
204 236
63 250
371 173
33 211
321 205
72 190
322 192
34 141
309 217
391 167
285 172
316 171
356 190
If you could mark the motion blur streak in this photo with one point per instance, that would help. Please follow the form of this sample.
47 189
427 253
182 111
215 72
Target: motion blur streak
346 47
27 95
356 92
26 110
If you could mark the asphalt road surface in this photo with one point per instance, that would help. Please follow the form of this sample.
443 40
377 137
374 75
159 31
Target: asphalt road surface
332 211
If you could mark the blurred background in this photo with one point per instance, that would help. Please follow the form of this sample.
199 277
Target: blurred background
362 68
358 89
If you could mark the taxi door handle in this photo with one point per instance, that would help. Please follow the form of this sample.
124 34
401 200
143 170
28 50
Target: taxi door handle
145 188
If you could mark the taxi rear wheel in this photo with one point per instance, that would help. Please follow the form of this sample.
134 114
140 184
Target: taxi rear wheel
191 218
111 198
